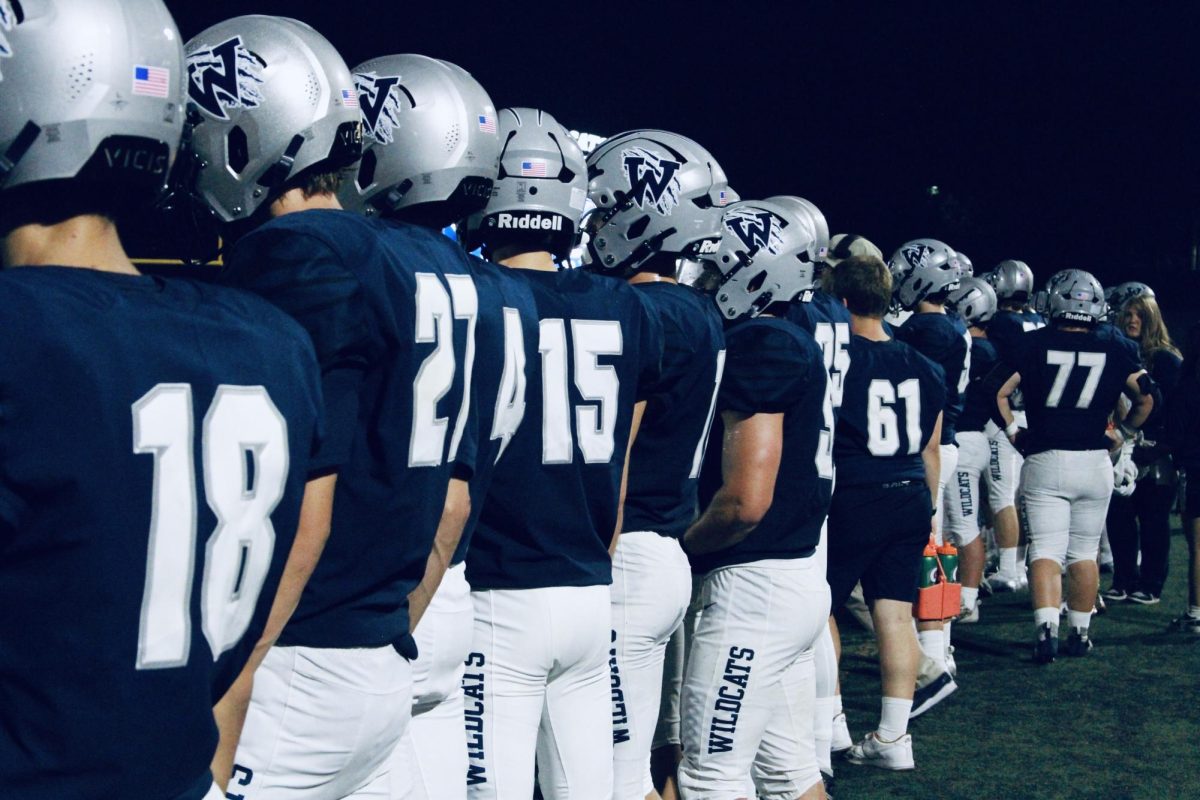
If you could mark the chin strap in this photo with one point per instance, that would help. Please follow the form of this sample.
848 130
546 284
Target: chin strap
17 150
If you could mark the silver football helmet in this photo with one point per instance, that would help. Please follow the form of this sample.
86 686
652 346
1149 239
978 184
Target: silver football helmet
89 89
966 269
431 136
764 258
974 301
805 209
1075 296
923 268
269 97
1012 280
655 193
540 191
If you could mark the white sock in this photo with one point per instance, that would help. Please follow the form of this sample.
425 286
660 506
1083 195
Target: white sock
1079 619
933 645
823 732
1046 616
1008 561
970 596
1194 611
893 718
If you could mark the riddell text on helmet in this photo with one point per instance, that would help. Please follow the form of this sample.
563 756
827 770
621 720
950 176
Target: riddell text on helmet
534 222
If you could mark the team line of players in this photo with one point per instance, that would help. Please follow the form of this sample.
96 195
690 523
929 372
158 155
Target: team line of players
375 517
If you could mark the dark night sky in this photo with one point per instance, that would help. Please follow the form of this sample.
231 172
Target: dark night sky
1066 137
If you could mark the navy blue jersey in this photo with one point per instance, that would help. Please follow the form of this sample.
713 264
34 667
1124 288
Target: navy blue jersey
772 366
507 349
134 414
1071 382
979 403
890 404
551 510
391 333
1006 328
666 458
826 318
943 339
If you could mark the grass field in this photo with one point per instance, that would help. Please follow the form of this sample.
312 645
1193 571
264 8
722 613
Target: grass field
1121 724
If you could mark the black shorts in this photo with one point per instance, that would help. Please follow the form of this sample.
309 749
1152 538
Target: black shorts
877 535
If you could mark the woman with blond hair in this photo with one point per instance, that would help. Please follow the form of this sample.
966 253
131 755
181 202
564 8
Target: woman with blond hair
1142 520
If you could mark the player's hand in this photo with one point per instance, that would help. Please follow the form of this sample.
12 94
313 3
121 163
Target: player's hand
1020 440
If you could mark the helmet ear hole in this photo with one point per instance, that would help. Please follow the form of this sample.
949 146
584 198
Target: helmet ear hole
237 149
17 10
638 228
757 282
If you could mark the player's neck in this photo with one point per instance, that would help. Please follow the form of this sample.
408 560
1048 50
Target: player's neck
294 200
926 307
977 333
868 328
88 241
650 277
536 260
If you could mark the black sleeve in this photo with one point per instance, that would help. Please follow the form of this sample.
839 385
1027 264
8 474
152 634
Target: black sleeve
764 371
302 276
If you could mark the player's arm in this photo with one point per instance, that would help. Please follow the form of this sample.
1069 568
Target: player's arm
316 511
750 456
639 409
1004 404
450 528
931 456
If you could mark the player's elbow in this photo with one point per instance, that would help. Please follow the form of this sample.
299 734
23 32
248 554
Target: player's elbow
749 508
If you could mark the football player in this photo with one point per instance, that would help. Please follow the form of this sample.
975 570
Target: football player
887 450
537 679
652 581
749 685
331 702
431 159
925 271
1013 283
974 302
157 432
1071 375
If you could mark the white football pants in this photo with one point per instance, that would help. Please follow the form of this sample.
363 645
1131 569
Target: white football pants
1004 469
962 500
749 686
652 584
1066 494
323 724
947 477
537 682
431 761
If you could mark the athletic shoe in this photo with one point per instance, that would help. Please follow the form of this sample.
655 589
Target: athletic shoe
1115 595
968 616
873 752
1045 649
1078 643
951 667
841 741
1000 583
1187 623
1143 598
1106 567
1100 606
934 684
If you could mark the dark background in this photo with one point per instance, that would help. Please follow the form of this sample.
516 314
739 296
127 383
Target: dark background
1063 136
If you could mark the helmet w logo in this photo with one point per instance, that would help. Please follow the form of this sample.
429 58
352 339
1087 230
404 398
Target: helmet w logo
225 77
916 254
756 229
8 19
653 180
380 104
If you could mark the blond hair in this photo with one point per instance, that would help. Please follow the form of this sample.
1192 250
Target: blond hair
1154 336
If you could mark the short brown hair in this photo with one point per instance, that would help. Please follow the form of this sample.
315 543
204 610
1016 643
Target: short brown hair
865 283
314 181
